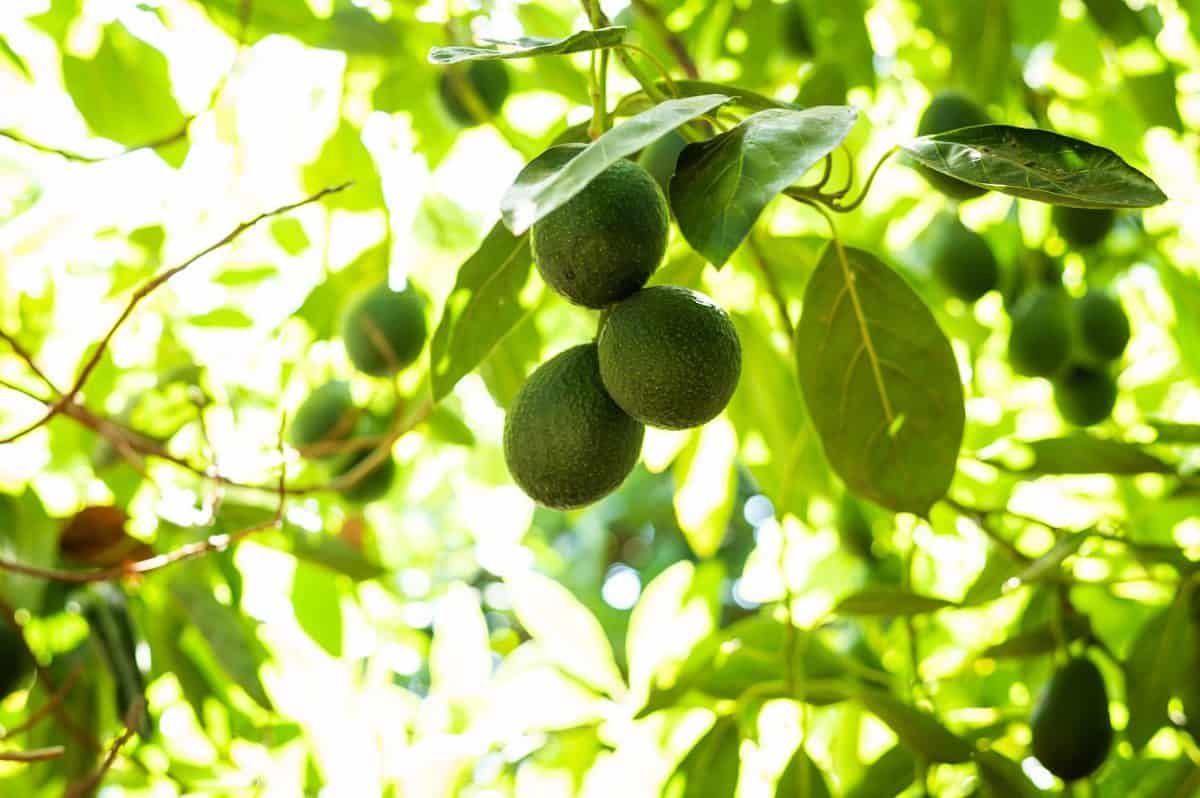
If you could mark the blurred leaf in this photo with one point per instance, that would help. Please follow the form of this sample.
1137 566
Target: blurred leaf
1116 19
706 476
889 601
530 46
330 552
566 631
345 158
1003 778
979 36
1049 563
1041 640
322 308
1080 453
722 185
1153 668
1156 96
447 427
887 776
317 603
639 101
236 278
1175 432
800 769
289 234
483 307
840 30
222 317
460 660
869 350
538 190
514 358
14 58
921 732
1038 165
107 612
711 768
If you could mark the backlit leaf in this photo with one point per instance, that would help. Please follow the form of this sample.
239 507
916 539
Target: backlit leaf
530 46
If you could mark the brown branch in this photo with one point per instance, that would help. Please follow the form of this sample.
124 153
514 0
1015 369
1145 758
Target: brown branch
132 719
669 37
34 755
25 355
56 698
146 289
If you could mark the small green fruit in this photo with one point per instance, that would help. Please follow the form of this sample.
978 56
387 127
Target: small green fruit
1072 730
963 261
1085 395
326 416
490 83
1083 227
1103 325
385 330
373 485
566 442
950 111
670 357
1040 341
659 159
605 242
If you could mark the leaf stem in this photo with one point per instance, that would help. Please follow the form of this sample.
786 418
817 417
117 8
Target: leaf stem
870 181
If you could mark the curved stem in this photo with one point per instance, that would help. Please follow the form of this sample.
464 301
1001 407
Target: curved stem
672 86
870 181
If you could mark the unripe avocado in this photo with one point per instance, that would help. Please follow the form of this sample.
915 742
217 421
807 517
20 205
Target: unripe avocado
796 38
670 357
384 330
950 111
374 484
659 159
1083 227
605 242
1085 395
1103 326
1040 341
15 663
963 261
327 415
1072 731
566 442
488 79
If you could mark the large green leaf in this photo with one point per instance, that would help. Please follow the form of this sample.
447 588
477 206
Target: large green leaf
1081 453
1154 667
802 778
917 729
346 158
484 305
881 382
722 185
1038 165
317 604
538 189
889 601
14 58
639 101
887 776
1003 778
530 46
711 769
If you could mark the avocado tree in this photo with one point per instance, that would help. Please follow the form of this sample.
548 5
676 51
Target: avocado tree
555 398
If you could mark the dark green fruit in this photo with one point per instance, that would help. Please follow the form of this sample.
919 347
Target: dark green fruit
385 330
950 111
1040 341
490 83
15 663
1103 325
374 484
796 38
659 159
605 242
825 84
1083 227
327 415
1085 395
1072 731
566 442
963 261
670 357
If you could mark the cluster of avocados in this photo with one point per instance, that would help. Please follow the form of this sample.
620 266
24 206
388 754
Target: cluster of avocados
664 356
1071 341
384 332
1071 727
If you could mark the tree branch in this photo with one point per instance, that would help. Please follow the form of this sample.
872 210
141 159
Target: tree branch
132 719
35 755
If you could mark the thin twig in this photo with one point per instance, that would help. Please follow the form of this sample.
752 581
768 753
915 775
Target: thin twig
132 720
674 43
56 698
34 755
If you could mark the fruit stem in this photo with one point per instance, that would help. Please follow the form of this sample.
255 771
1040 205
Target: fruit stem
870 181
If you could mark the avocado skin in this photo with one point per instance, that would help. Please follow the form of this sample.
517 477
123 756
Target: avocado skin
326 415
1083 227
1039 343
1072 731
399 316
670 357
950 111
1085 395
604 243
490 81
566 442
1103 325
963 261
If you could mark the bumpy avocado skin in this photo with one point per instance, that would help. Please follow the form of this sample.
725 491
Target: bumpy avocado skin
605 242
1085 395
490 81
1083 227
1103 326
399 319
670 357
566 443
326 415
1039 344
963 261
950 111
1072 731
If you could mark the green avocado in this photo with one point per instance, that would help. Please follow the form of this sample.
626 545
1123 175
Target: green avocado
1083 227
605 242
373 485
950 111
384 331
962 260
1085 395
566 442
327 415
670 357
1072 730
1103 326
488 79
1040 341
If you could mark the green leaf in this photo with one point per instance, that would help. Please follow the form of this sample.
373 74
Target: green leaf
722 185
706 475
921 732
802 777
1080 453
1155 666
1040 640
639 101
530 46
289 234
881 382
1038 165
1175 432
222 317
317 604
330 552
1003 778
1049 563
253 275
445 425
345 158
124 90
567 632
14 58
979 36
887 776
322 308
711 769
538 189
1116 19
107 612
889 601
514 358
484 305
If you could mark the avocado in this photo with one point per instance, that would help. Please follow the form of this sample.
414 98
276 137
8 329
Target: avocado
950 111
327 415
384 331
1085 395
373 485
1103 326
1083 227
1072 731
488 79
962 260
1039 344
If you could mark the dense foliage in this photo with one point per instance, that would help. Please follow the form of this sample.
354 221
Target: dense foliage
856 386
